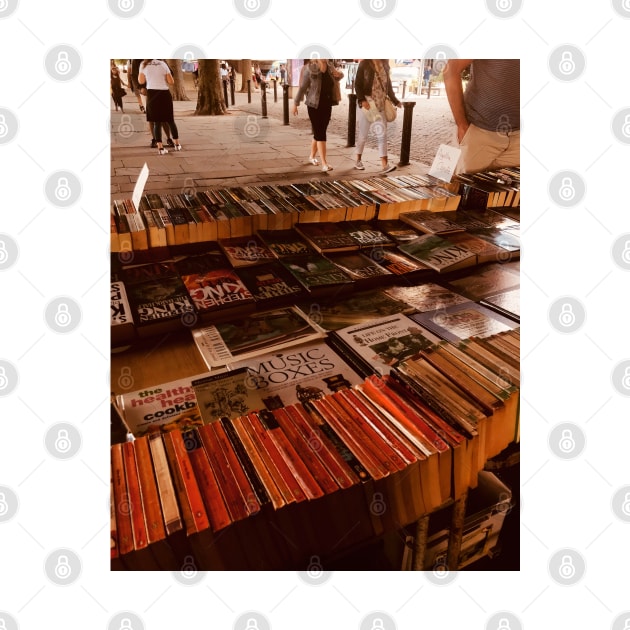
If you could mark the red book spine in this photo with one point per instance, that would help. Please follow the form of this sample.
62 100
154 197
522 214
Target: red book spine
121 501
218 514
276 457
138 524
319 443
324 479
229 488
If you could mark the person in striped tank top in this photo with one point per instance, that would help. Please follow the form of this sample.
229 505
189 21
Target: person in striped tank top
487 113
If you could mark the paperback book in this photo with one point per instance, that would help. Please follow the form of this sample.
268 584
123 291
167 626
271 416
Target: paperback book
327 237
360 267
486 281
122 328
439 253
245 251
430 222
285 243
255 334
426 297
271 284
316 273
463 321
381 344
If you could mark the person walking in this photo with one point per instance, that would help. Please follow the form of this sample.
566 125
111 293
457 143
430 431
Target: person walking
319 85
117 87
157 76
372 86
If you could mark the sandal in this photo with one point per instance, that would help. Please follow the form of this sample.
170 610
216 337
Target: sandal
314 161
326 168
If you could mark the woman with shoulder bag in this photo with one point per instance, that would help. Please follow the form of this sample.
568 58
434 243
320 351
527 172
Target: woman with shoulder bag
318 83
373 87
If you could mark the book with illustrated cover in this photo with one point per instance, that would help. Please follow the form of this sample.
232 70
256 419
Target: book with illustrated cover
366 235
382 343
285 243
161 408
317 273
505 239
255 334
463 321
356 308
486 281
426 297
485 251
402 265
439 253
160 305
246 251
397 230
327 237
430 222
297 374
360 267
122 328
272 284
226 394
507 302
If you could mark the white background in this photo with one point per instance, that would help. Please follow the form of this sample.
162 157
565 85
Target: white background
64 251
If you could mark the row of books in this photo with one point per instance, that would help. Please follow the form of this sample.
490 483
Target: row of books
498 188
243 274
264 474
174 219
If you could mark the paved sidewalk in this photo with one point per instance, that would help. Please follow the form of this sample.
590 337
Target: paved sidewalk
241 147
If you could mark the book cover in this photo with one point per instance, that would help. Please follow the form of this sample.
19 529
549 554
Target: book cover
161 305
122 328
401 265
397 230
426 297
356 308
227 394
245 251
485 251
246 337
439 253
486 281
316 272
360 267
271 283
366 235
285 243
135 274
383 343
506 302
297 374
463 321
161 408
217 290
327 236
430 222
505 239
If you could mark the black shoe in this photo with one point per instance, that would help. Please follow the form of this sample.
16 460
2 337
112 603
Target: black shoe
154 143
170 143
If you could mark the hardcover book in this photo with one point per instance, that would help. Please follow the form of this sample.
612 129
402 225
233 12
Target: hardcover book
250 336
298 374
227 394
327 237
426 297
383 343
506 302
360 267
161 408
285 243
316 272
439 253
356 308
122 329
272 284
430 222
463 321
487 281
245 251
397 230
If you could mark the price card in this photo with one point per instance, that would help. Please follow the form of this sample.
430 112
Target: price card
445 162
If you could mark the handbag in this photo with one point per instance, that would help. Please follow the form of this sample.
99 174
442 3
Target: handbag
390 110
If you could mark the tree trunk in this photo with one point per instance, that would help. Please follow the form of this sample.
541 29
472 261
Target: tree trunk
178 90
210 92
245 69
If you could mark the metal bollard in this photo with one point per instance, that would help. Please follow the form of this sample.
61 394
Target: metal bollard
352 119
249 90
225 95
429 90
403 91
275 90
285 103
405 143
232 91
263 98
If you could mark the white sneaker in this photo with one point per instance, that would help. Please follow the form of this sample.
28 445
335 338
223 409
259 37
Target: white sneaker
162 151
359 165
389 168
326 168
